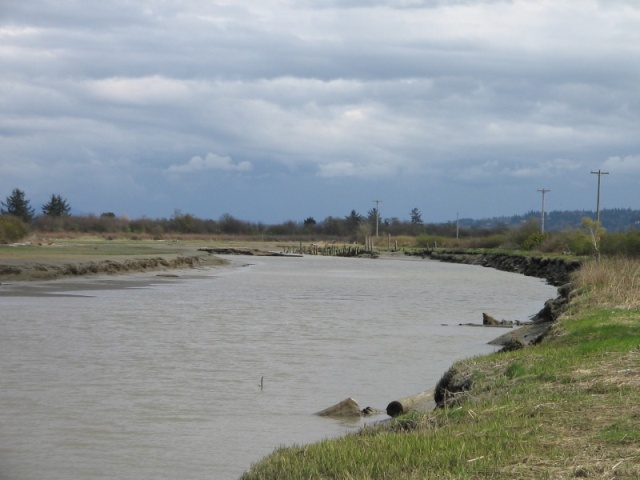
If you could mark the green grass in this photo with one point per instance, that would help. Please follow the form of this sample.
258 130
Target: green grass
566 408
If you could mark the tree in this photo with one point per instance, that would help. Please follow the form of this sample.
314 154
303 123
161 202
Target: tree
416 220
56 207
595 231
416 217
352 221
18 206
372 217
333 226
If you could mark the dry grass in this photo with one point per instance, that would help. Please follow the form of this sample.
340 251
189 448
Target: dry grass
610 283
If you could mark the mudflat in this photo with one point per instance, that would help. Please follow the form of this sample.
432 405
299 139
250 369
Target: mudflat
89 263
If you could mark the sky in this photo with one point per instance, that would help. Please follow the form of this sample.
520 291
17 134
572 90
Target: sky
278 110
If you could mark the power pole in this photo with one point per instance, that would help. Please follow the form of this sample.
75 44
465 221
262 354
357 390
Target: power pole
457 225
377 202
543 191
599 173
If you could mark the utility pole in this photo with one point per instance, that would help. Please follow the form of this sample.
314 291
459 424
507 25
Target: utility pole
543 191
457 225
599 173
377 202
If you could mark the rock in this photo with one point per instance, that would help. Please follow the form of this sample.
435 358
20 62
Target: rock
490 321
513 344
552 309
452 386
369 411
346 408
526 334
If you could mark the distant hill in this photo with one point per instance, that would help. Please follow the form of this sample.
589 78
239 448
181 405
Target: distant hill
614 220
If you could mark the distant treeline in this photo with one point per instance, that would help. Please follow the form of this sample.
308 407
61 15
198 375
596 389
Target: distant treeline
564 231
352 225
612 219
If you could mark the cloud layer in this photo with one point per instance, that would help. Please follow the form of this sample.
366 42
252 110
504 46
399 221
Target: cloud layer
279 109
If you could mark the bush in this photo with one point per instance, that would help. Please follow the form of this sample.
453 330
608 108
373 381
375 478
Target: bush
490 241
12 229
533 240
621 244
524 232
577 242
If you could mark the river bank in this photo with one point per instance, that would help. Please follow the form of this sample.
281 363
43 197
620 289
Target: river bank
40 260
555 270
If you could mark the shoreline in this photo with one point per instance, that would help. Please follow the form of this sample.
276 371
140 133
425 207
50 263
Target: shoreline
41 270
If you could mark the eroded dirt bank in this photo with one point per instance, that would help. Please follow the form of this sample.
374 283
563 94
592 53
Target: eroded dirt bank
47 271
556 270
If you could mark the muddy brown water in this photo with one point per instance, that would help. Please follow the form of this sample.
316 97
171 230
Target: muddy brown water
162 379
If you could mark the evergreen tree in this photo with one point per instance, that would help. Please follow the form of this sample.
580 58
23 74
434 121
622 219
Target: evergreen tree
416 220
416 217
17 205
56 207
372 216
352 221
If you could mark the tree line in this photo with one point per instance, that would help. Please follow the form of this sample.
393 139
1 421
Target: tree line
56 216
576 235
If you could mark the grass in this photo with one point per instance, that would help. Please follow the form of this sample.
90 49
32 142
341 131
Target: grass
86 248
566 408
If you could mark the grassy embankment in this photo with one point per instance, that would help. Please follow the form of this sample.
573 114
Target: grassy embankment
46 259
566 408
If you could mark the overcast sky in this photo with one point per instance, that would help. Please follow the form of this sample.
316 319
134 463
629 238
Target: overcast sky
275 110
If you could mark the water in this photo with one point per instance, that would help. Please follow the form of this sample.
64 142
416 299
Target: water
164 381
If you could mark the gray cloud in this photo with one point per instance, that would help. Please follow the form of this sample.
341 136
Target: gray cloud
425 99
210 162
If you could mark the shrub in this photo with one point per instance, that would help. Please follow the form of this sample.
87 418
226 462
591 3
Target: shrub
621 243
576 242
521 234
491 241
533 240
12 229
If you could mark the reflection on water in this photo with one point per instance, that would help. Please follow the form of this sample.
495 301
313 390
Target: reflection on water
164 381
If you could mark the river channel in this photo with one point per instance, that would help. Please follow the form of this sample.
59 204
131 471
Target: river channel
164 380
